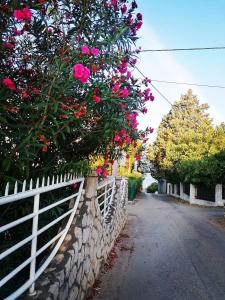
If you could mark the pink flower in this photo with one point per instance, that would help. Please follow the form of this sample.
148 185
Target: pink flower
139 16
24 14
27 13
144 110
24 95
123 67
17 31
114 3
8 45
81 73
124 93
78 70
127 140
9 83
129 74
105 173
86 75
63 106
36 91
151 130
122 70
18 14
117 138
50 29
147 91
122 106
97 99
85 50
115 89
138 157
94 51
99 171
123 132
123 64
124 9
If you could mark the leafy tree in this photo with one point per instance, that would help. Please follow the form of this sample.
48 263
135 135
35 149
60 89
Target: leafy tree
185 134
210 169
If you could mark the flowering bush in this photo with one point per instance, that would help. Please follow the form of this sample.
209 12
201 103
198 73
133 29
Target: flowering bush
66 84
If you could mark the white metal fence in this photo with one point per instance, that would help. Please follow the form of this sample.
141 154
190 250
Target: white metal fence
55 242
105 191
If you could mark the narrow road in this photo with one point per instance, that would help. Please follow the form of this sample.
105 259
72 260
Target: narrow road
169 251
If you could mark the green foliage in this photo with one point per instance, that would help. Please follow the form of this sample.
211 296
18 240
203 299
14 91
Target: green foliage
152 188
188 147
134 186
50 121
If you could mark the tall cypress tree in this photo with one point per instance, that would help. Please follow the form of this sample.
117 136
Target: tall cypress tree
184 134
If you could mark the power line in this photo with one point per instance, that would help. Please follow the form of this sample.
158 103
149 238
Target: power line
188 83
163 96
184 49
155 88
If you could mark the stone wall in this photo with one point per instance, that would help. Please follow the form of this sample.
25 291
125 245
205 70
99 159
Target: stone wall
90 239
192 197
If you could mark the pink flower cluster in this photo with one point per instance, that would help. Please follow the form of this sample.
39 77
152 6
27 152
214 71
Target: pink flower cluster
8 45
148 95
123 9
132 120
22 14
9 84
114 4
122 137
81 73
138 157
124 93
97 99
85 50
123 67
102 170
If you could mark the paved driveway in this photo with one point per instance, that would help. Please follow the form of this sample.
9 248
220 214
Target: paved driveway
169 251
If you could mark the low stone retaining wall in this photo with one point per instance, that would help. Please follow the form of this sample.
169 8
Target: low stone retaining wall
90 239
192 197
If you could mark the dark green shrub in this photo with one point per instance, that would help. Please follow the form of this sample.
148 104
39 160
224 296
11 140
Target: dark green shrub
134 186
152 188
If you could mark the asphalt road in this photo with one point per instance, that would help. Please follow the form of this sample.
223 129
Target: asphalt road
169 251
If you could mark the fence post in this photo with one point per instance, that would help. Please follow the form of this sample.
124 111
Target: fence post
91 184
192 193
115 168
168 188
181 190
218 195
118 190
175 189
34 243
105 202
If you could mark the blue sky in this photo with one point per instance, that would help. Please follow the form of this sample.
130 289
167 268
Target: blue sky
183 24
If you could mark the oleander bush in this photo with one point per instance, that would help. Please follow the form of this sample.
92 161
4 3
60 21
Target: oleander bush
66 84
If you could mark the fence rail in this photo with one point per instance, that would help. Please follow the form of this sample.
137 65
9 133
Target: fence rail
35 192
105 195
